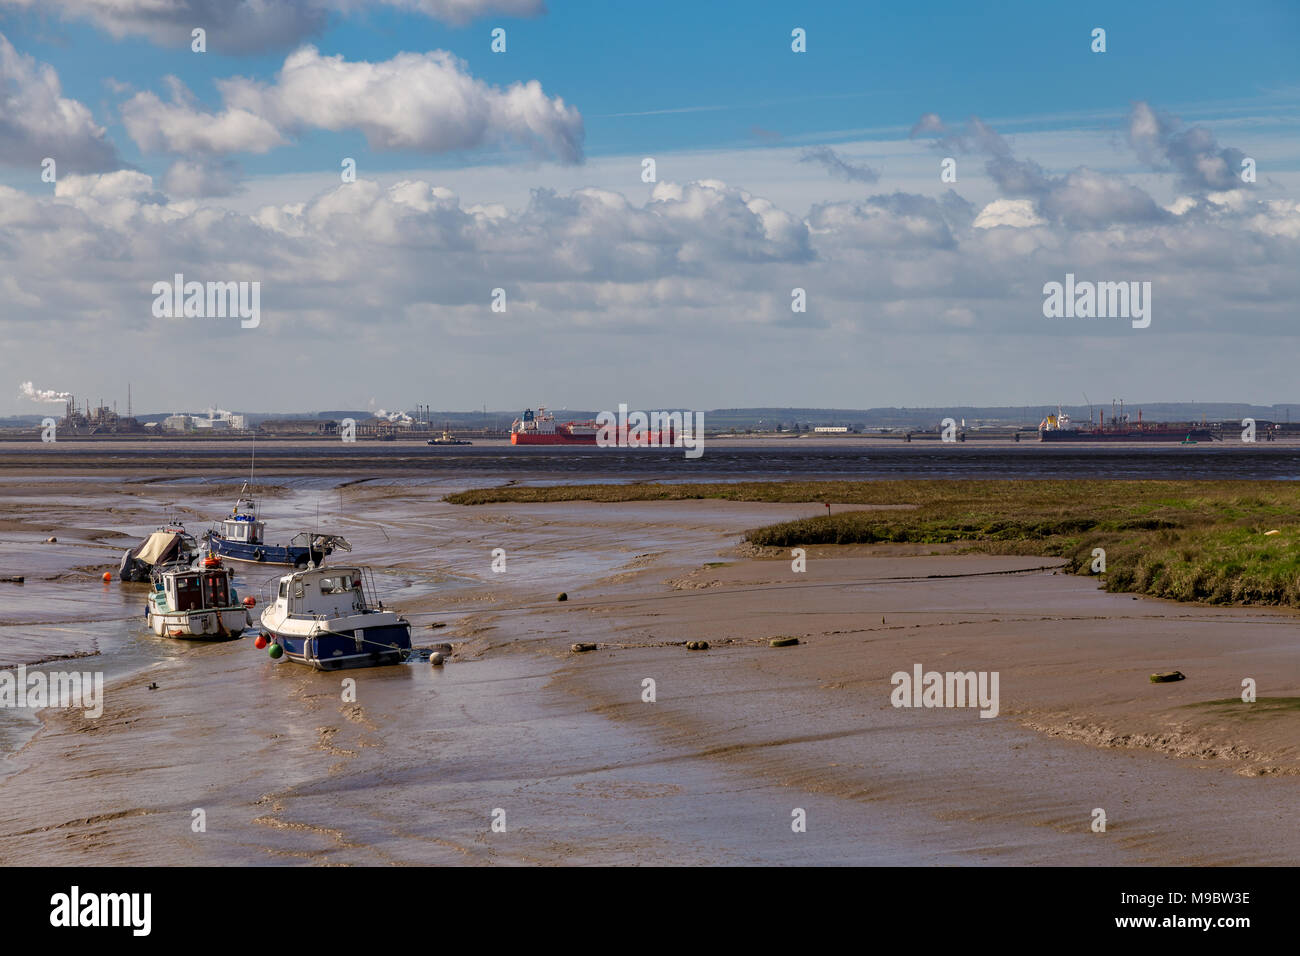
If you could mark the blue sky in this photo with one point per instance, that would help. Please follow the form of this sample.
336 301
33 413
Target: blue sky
702 75
1056 175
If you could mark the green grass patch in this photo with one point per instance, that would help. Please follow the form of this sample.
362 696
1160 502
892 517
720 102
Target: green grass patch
1184 540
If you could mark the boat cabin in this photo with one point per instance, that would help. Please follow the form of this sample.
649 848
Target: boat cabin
197 589
323 592
243 526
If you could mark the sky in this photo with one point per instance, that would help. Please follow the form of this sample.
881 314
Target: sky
504 241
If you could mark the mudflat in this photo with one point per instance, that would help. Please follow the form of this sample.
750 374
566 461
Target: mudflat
566 753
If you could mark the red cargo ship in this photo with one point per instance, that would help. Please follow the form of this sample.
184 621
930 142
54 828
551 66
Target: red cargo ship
541 428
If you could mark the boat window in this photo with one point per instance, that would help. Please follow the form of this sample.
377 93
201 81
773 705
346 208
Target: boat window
297 589
339 585
215 591
284 589
188 597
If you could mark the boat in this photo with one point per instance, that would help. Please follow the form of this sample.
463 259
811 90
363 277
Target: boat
448 439
196 601
241 536
170 544
1059 428
325 618
541 428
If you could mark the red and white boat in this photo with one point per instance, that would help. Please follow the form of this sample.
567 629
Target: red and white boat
540 428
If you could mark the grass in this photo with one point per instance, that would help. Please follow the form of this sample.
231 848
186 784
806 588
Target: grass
1184 540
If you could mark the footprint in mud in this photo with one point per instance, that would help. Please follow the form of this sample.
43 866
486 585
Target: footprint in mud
357 714
325 742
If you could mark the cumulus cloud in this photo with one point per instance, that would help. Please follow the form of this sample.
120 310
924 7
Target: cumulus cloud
122 184
254 26
414 101
838 166
1163 141
693 260
182 126
37 121
1080 199
894 221
1018 213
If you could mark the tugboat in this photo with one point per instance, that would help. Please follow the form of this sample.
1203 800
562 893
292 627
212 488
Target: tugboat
324 618
170 544
448 439
242 537
195 602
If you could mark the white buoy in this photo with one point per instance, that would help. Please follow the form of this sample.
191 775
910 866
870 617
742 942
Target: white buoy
436 659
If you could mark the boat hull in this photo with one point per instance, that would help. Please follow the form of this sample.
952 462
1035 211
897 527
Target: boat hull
343 650
286 555
216 624
1146 435
523 438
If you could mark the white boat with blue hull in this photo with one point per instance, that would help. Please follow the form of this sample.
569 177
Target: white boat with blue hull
324 617
241 536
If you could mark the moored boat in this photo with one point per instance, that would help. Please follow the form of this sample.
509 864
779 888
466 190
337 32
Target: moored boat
326 618
241 536
168 545
196 602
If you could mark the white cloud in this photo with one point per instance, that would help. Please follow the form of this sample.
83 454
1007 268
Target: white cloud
37 121
182 127
414 101
1018 213
693 276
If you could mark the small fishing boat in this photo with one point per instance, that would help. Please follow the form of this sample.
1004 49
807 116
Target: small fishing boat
325 618
196 602
170 544
241 536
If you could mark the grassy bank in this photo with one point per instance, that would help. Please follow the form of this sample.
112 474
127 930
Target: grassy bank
1185 540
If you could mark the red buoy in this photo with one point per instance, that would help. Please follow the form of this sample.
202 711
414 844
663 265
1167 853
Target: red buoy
108 576
260 642
250 601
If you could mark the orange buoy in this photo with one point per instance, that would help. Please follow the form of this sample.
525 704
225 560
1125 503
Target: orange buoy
250 601
212 561
260 642
108 576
